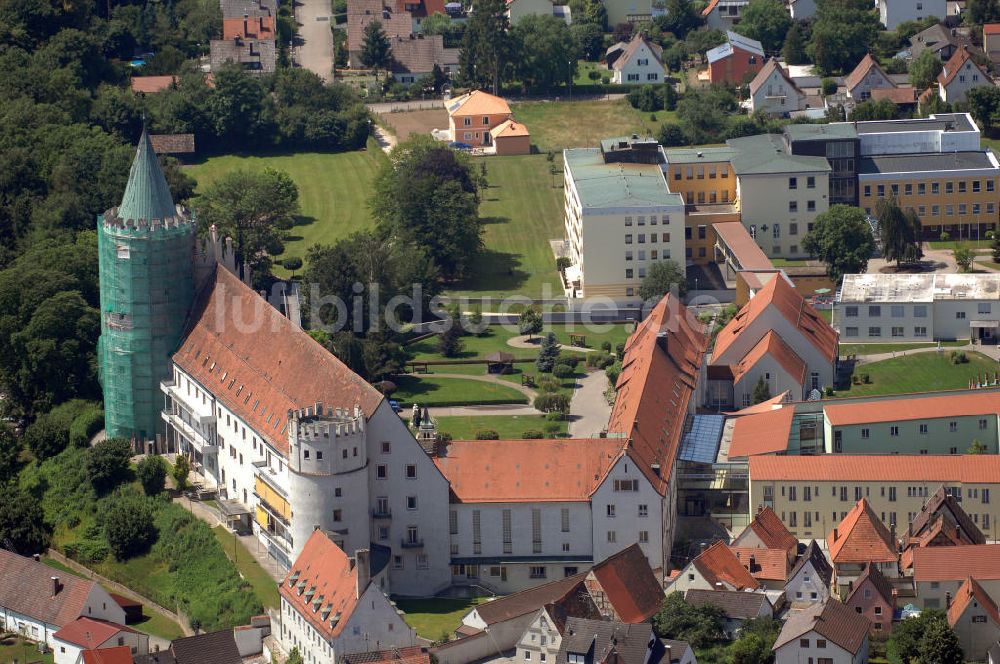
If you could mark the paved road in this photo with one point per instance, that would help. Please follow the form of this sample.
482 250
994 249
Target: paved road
589 410
315 52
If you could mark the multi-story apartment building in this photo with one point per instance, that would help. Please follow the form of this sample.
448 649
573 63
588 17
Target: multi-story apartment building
918 307
812 494
621 216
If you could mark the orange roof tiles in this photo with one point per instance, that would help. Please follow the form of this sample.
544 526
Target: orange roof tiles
954 563
773 403
89 632
763 433
792 306
772 531
411 655
115 655
257 27
955 64
322 577
922 468
858 74
861 537
718 564
771 345
658 377
964 403
900 95
766 564
259 365
708 9
969 591
478 102
509 128
150 84
565 469
991 28
630 585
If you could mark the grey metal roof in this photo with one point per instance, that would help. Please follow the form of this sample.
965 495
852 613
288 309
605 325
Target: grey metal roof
617 185
767 154
927 161
698 155
938 122
734 40
147 195
820 132
735 604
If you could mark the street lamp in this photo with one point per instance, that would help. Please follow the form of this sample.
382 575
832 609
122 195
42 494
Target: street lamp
569 70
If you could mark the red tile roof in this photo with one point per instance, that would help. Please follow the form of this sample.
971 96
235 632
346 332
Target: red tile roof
773 403
763 433
771 345
565 469
867 64
969 591
258 27
260 365
478 102
116 655
954 563
955 65
411 655
718 564
509 128
151 84
861 537
322 585
767 564
900 95
708 9
772 531
792 306
964 403
877 580
90 633
991 28
630 585
931 469
658 378
27 589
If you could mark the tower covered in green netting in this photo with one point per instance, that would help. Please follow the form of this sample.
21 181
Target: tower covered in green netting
146 252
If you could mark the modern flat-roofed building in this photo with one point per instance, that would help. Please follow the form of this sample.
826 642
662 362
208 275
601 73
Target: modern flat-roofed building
620 215
918 307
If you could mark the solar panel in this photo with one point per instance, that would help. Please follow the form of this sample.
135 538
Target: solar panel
701 443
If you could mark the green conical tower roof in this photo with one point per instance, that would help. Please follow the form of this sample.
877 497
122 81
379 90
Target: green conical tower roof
147 195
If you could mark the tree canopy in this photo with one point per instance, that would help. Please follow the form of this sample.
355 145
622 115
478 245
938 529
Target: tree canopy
900 232
487 52
842 238
924 69
547 52
376 52
662 278
843 32
768 22
700 626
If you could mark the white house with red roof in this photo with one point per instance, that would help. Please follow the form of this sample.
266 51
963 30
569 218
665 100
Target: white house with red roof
774 92
638 61
959 75
84 634
332 605
975 619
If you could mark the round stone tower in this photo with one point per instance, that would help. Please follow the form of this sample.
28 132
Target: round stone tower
146 251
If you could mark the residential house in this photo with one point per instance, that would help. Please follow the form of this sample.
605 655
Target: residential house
518 9
208 648
769 566
115 655
628 11
640 62
261 26
736 606
774 92
767 531
866 77
411 655
826 632
38 601
510 138
724 14
777 336
473 116
991 41
975 619
543 636
736 61
811 577
332 605
715 568
904 96
959 75
940 522
862 539
941 40
873 596
414 54
624 587
90 634
894 12
598 641
256 56
678 652
939 572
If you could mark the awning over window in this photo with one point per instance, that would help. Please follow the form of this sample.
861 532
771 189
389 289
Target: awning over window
991 324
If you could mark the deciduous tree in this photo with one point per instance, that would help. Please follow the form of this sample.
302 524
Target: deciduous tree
108 463
152 474
794 49
899 231
924 69
22 522
768 22
547 52
127 520
842 239
700 626
487 53
661 278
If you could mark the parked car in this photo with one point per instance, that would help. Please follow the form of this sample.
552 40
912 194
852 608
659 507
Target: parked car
457 145
394 405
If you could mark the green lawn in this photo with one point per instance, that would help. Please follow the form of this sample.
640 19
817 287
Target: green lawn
790 262
435 617
574 124
23 651
333 190
508 426
475 347
875 349
434 391
264 586
827 314
921 372
983 244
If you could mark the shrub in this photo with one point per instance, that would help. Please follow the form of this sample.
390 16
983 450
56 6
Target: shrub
600 360
46 437
829 86
531 434
555 416
552 401
613 372
551 429
562 371
85 426
152 474
606 346
866 379
180 472
487 434
828 390
605 80
958 357
620 351
107 463
562 263
572 359
127 520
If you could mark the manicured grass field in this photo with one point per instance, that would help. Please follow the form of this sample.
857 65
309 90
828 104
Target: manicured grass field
333 190
434 391
921 372
875 349
23 651
264 586
435 617
574 124
476 347
508 426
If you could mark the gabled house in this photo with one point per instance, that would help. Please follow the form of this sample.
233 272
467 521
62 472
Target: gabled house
959 75
624 587
939 572
975 619
602 642
208 648
472 116
827 632
724 14
941 40
38 601
736 61
774 92
736 606
991 41
894 12
867 76
769 566
639 62
541 639
715 568
940 522
767 531
859 540
873 596
811 577
90 634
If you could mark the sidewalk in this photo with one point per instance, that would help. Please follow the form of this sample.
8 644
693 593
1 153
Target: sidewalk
589 410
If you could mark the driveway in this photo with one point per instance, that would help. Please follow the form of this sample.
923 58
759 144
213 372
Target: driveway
315 50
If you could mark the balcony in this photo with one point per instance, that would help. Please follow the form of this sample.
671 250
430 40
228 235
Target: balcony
195 437
412 544
380 513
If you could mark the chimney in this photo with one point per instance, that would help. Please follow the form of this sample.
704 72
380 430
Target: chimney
246 25
361 558
850 587
836 536
55 585
753 562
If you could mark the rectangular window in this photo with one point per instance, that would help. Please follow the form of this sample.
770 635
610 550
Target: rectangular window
536 572
452 521
865 433
536 530
810 182
851 311
874 331
920 311
852 331
896 311
506 526
564 518
643 510
897 331
982 424
793 183
874 311
381 472
793 206
411 471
